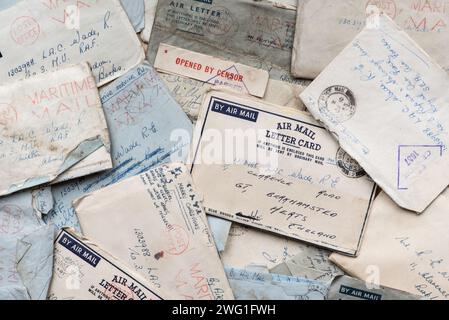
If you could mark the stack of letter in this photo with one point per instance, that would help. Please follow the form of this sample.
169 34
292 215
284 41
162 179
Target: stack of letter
220 150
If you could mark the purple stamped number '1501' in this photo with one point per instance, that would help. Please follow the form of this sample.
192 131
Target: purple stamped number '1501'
413 160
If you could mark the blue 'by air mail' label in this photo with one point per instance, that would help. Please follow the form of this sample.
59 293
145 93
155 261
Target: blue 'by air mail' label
234 111
360 293
79 249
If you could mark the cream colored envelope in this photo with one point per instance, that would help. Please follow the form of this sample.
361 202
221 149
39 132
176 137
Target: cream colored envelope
252 247
387 103
284 206
248 247
325 27
48 124
248 149
83 271
40 36
404 251
310 263
155 223
258 34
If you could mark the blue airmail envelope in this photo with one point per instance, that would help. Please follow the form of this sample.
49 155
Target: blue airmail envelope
26 246
147 128
135 9
248 284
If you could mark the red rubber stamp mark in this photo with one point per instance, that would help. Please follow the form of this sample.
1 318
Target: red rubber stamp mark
25 30
11 219
8 114
386 6
178 241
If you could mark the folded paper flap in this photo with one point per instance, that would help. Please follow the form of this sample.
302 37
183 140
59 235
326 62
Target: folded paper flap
35 261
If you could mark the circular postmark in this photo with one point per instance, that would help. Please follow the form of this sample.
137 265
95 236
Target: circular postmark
178 240
8 114
348 165
386 6
221 21
118 291
11 219
337 103
25 30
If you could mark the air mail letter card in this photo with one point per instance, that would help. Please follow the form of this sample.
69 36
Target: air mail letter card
164 232
83 271
257 150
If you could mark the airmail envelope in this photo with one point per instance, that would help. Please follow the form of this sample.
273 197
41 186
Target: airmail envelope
146 127
248 247
254 33
150 15
253 285
404 251
208 69
248 149
387 103
163 232
26 248
310 263
83 271
325 27
135 9
48 124
40 36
